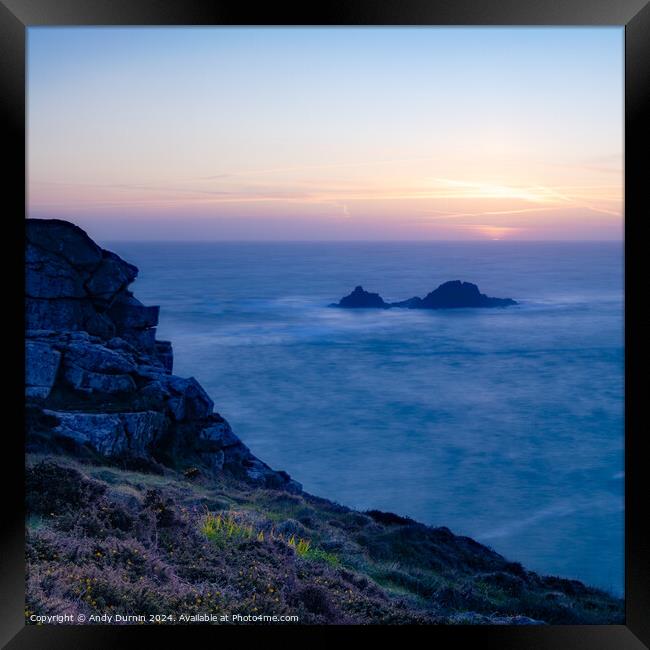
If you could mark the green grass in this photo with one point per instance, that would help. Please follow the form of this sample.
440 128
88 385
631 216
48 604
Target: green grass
222 529
319 555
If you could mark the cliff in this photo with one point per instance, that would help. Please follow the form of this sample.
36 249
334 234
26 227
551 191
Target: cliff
97 377
143 503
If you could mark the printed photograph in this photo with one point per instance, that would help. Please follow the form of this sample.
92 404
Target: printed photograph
324 326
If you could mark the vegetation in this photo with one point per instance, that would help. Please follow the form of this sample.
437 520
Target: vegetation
223 528
102 540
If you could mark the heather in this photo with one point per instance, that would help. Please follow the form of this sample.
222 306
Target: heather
102 539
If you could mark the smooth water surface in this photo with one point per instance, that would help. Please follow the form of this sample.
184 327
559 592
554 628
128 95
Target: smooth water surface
502 424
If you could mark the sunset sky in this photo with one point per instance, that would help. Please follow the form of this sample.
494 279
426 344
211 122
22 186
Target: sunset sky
328 133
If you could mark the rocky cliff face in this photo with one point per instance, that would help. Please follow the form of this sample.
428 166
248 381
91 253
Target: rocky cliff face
97 379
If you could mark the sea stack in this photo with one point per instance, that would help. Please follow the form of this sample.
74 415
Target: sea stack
361 299
454 295
449 295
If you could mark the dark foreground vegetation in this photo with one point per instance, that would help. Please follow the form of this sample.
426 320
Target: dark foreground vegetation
104 540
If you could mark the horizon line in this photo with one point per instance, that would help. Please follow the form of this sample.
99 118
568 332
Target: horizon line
364 241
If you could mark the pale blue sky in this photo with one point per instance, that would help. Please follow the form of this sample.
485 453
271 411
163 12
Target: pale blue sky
328 133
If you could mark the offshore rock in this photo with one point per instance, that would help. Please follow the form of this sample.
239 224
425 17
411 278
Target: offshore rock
449 295
361 299
454 295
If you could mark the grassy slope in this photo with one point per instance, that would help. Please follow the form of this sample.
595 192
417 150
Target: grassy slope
105 540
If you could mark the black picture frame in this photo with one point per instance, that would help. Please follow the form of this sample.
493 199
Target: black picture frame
17 15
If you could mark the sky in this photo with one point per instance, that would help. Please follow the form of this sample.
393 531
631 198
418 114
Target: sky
420 133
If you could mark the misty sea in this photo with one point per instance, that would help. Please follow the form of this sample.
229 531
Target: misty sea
502 424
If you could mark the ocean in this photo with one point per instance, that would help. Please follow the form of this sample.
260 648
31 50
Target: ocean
505 425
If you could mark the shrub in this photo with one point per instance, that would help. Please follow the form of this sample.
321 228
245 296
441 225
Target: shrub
163 508
52 489
389 518
315 600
